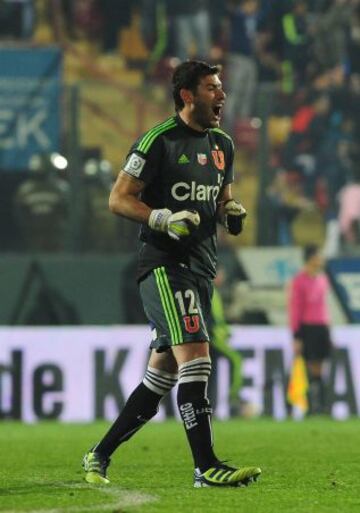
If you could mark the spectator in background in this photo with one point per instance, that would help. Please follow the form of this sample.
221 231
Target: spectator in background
217 13
330 34
149 22
241 71
17 19
354 41
353 110
155 34
191 25
295 52
116 15
349 212
335 169
87 20
287 201
64 11
309 322
268 48
41 207
102 230
309 125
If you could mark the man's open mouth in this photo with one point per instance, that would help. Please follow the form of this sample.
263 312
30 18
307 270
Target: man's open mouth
217 110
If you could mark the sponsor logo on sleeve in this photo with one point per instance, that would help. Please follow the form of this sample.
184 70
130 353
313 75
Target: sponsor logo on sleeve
134 165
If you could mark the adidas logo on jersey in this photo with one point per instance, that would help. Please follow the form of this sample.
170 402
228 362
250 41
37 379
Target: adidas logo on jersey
183 159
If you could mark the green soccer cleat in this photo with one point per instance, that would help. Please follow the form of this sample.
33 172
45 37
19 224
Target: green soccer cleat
95 467
223 475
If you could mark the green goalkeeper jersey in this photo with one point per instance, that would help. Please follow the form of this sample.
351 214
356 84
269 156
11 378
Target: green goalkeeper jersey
183 169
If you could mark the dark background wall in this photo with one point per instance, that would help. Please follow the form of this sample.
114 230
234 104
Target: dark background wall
67 289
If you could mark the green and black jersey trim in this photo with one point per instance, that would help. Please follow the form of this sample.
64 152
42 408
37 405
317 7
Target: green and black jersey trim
219 131
168 304
147 140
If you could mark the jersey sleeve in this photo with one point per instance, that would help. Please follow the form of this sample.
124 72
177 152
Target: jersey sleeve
229 169
144 166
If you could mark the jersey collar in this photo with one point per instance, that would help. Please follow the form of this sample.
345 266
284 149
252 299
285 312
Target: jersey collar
190 130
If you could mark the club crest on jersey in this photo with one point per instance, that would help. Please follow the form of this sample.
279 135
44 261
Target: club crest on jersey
219 159
192 323
202 158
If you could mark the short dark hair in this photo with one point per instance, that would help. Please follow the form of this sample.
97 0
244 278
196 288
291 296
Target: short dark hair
187 75
309 251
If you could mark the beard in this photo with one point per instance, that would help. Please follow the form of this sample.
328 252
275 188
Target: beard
204 116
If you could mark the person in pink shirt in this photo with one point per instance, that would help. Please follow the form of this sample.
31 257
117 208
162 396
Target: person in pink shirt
349 214
309 322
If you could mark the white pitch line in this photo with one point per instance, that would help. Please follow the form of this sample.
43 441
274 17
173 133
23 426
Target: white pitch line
124 498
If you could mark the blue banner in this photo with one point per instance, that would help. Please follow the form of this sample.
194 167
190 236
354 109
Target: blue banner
345 276
30 83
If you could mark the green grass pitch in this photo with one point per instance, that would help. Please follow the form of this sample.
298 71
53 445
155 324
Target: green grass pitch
308 467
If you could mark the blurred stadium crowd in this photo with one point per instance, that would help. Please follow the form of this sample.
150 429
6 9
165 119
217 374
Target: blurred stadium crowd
300 57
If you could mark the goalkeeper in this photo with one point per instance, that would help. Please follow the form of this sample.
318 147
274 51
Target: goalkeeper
176 182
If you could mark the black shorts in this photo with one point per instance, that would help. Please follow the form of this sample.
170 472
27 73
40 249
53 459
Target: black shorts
177 303
316 341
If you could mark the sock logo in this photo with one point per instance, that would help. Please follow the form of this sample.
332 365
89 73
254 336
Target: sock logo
204 411
188 415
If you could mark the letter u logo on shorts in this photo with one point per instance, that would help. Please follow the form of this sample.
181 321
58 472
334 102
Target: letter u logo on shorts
192 323
219 159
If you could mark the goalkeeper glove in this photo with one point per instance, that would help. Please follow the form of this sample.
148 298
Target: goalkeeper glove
234 215
178 225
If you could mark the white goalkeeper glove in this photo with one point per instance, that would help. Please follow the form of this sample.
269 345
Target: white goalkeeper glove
178 225
234 215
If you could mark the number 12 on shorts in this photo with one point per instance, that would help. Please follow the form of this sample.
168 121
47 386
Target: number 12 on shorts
191 313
